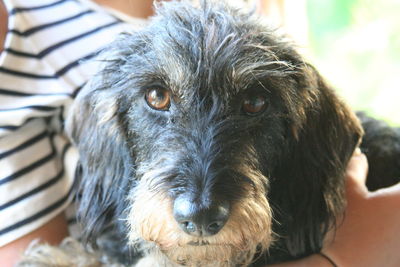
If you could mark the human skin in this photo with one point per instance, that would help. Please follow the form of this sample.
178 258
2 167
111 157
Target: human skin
54 231
3 24
370 230
368 234
135 8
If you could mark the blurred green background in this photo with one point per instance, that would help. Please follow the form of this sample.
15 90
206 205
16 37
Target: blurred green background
356 46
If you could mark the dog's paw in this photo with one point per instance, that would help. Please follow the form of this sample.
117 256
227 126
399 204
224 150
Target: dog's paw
146 262
69 254
152 261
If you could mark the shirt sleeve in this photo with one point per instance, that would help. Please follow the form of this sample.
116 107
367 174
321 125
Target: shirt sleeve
48 56
37 161
36 167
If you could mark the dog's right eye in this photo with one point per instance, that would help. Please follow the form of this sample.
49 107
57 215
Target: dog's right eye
254 104
158 98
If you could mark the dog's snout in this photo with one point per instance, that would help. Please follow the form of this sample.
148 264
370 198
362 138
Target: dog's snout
200 220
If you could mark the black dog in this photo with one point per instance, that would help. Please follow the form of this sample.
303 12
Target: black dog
207 140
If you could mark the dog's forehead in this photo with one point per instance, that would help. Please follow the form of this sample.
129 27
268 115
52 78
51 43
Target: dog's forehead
214 49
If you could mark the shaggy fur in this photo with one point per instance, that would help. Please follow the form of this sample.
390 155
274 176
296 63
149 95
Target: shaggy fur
381 144
280 169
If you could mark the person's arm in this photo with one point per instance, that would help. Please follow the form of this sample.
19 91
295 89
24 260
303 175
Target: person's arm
310 261
370 230
54 230
3 24
51 233
135 8
369 234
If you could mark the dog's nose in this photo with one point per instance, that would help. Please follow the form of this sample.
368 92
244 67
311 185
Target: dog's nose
198 220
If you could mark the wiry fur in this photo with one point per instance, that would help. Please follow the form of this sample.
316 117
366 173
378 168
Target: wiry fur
155 223
281 171
381 144
70 253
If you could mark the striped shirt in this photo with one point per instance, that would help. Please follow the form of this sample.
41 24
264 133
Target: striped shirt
44 64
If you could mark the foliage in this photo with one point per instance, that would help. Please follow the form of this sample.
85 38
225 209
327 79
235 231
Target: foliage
356 44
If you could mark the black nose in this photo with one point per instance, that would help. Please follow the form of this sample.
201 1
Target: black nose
200 220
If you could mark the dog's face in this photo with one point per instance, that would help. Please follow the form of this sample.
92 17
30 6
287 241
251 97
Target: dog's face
204 129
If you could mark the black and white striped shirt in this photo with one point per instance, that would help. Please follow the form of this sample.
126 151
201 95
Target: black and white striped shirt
42 67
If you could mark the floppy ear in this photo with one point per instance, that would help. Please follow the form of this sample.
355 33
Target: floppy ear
307 189
105 167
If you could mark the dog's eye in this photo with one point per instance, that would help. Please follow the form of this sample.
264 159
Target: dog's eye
158 98
254 104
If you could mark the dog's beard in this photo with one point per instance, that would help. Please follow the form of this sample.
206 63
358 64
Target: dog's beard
247 231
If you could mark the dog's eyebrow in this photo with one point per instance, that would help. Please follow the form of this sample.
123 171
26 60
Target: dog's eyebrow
259 84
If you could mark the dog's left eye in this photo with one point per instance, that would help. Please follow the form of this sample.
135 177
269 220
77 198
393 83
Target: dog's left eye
254 104
158 98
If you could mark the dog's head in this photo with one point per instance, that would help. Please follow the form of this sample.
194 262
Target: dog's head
208 135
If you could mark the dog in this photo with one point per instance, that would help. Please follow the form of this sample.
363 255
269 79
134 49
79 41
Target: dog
206 140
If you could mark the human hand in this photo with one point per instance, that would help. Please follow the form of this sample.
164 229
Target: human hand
369 233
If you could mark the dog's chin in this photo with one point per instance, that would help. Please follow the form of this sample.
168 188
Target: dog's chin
153 227
197 254
227 248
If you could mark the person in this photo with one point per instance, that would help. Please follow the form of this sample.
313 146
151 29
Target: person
41 44
368 235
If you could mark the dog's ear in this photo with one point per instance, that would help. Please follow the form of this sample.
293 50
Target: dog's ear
95 127
307 189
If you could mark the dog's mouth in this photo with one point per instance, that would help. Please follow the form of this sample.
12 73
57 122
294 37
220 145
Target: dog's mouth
199 243
193 244
196 243
203 243
245 232
210 253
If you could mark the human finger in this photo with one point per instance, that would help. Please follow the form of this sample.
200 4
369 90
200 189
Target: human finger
356 171
391 191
